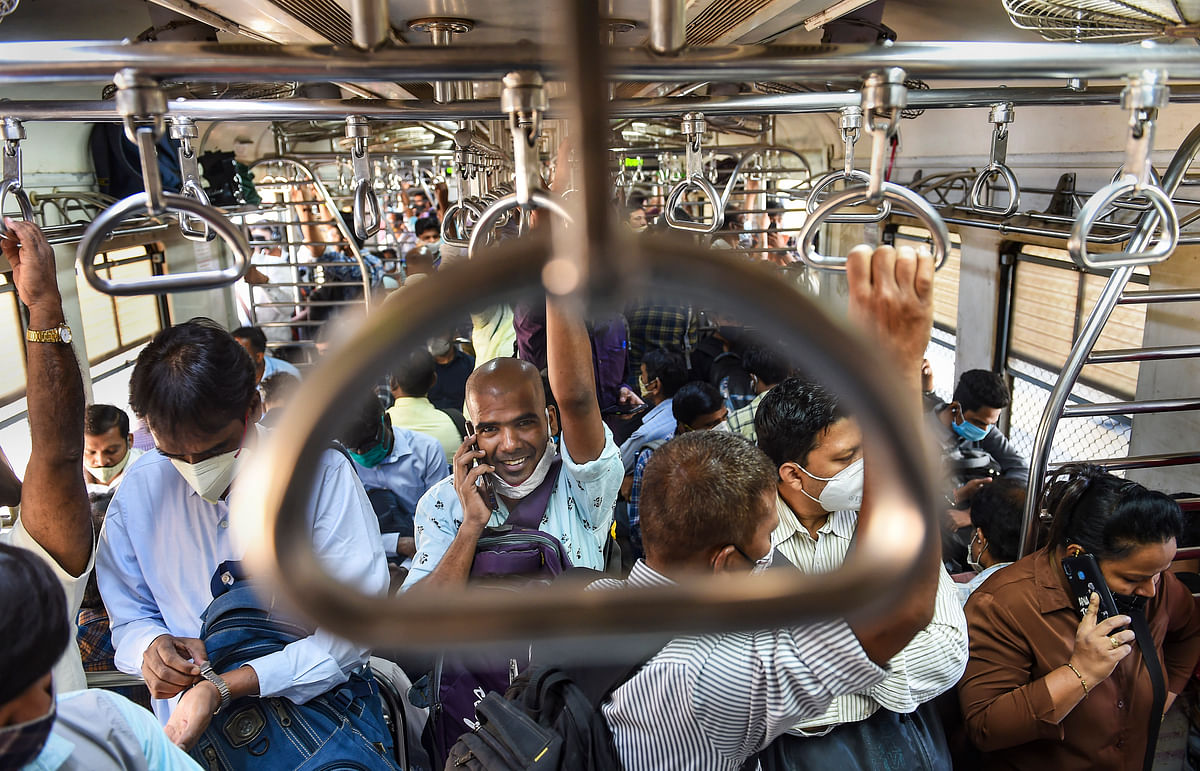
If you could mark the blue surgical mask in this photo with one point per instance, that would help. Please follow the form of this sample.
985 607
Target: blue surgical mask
969 431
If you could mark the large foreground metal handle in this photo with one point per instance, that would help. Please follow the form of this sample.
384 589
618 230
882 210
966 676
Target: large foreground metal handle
13 187
897 194
817 195
979 190
481 234
108 220
701 183
270 516
1089 217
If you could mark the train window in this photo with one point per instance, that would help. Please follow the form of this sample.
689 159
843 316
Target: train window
115 324
12 343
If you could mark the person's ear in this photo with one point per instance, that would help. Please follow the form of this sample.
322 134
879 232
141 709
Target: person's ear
790 476
654 387
1074 550
552 419
727 560
255 412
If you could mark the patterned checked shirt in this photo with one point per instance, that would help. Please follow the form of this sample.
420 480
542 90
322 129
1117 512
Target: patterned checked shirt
709 702
928 666
741 420
652 326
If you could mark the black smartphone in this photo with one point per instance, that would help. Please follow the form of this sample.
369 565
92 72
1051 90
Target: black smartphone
485 485
625 410
1084 576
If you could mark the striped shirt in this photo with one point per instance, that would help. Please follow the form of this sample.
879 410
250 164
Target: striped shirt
928 666
709 702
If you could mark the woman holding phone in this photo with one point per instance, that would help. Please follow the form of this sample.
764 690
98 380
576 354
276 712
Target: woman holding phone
1045 689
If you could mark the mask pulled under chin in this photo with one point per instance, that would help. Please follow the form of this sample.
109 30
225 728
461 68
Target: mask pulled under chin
211 477
516 492
106 474
21 743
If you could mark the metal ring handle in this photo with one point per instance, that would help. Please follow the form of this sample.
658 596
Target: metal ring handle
270 518
1155 180
367 215
13 186
898 194
192 189
454 216
1089 217
701 183
981 185
89 246
491 216
813 202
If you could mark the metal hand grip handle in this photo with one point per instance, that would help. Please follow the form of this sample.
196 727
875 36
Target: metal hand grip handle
13 186
813 202
270 519
979 190
108 220
899 195
367 215
701 183
454 217
1155 180
1162 209
192 189
491 216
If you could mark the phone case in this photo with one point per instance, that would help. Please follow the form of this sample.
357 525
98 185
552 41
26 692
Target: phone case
1084 576
485 485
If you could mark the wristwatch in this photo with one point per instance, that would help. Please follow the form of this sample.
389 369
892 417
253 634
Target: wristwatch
59 334
206 671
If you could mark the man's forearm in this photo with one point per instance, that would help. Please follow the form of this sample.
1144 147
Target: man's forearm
455 566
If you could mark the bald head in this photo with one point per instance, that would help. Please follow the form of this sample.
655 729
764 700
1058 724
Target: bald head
506 378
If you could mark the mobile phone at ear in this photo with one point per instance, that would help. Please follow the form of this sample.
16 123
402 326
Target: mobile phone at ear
484 485
1084 577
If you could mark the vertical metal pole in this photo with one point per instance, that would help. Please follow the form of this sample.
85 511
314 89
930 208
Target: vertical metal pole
668 26
369 23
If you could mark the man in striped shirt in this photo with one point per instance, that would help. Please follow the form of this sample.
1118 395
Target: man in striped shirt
816 446
714 701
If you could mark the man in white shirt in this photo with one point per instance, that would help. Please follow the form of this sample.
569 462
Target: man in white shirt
817 449
107 448
55 520
167 532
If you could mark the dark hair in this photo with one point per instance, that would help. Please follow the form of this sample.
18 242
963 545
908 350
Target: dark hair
279 386
767 364
416 373
363 430
980 388
668 368
694 399
192 375
253 335
274 232
427 223
996 510
791 417
101 418
1107 516
702 490
33 621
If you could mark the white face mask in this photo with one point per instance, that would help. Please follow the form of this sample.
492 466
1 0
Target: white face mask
106 474
212 476
843 491
722 426
516 492
973 561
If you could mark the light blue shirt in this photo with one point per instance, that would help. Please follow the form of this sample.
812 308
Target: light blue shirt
416 463
101 731
162 543
659 423
964 590
271 365
579 513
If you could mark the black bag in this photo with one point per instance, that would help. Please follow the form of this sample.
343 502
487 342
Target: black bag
118 167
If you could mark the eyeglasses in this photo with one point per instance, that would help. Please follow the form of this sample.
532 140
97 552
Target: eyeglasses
758 565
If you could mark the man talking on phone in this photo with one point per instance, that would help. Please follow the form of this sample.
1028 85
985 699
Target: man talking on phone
521 444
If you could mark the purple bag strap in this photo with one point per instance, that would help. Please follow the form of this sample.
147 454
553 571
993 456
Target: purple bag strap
528 512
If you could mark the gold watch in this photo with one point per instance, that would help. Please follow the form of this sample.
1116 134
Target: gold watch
59 334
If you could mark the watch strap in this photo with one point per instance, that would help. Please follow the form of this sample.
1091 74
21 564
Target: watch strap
52 335
206 671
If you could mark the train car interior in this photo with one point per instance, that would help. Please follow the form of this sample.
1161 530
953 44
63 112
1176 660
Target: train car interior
600 384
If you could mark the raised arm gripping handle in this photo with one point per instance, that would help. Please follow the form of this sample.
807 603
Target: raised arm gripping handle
979 190
13 187
701 183
897 194
481 233
817 193
108 220
1162 210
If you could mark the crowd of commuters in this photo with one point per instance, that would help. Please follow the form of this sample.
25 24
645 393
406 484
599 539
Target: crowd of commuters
529 442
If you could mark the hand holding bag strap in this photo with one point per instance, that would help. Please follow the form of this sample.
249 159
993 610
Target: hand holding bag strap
1145 641
528 511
